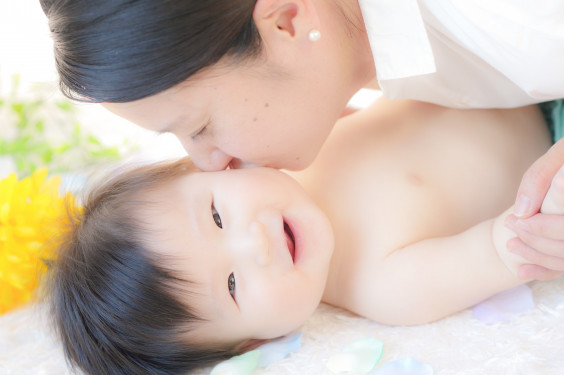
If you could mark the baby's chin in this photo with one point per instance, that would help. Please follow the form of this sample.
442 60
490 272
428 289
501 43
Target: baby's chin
291 326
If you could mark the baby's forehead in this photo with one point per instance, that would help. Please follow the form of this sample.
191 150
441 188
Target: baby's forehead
162 197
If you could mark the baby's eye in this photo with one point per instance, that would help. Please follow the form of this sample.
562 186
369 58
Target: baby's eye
231 284
216 217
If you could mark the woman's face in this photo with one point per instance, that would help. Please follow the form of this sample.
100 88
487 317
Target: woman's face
255 244
247 115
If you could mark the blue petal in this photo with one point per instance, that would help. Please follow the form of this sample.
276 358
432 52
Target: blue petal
404 366
505 305
276 350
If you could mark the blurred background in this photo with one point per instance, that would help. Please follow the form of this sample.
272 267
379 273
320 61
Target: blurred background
38 126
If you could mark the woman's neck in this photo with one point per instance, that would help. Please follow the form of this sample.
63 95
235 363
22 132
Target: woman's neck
360 51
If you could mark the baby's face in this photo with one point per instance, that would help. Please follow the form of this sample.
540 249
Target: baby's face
257 246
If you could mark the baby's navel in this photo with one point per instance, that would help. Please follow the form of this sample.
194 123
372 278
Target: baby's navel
414 179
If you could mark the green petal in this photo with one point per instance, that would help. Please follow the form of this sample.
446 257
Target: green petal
358 357
243 364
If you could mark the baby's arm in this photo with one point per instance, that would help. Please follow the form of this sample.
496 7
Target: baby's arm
436 277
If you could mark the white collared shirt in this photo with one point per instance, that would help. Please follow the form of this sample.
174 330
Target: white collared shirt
468 53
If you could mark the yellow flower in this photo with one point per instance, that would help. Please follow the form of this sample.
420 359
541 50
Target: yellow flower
32 215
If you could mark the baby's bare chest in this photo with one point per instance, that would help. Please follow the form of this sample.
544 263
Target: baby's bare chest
385 190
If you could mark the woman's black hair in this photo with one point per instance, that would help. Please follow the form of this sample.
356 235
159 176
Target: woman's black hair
123 50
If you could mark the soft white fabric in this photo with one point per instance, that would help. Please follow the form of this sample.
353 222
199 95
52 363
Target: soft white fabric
397 38
530 344
484 53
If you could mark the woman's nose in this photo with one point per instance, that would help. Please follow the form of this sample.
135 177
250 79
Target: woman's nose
240 164
210 160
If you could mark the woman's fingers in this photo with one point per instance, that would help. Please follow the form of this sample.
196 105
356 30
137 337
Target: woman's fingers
534 272
535 257
537 180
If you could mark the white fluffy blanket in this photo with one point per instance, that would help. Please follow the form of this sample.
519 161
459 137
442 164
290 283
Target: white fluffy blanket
531 343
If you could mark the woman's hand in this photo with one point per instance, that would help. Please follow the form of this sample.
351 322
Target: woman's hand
540 236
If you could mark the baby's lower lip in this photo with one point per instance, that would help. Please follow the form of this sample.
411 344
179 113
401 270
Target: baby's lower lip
290 241
295 233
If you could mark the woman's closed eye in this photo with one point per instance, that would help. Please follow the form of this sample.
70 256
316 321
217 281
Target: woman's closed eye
201 131
231 284
216 217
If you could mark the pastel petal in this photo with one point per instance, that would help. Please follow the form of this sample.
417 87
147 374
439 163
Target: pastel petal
505 305
243 364
404 366
358 357
276 350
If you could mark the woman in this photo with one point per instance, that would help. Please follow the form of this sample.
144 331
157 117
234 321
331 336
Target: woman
262 82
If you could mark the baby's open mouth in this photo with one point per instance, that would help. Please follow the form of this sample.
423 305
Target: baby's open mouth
290 241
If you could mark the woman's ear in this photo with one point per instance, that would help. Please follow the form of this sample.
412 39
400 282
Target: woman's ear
284 20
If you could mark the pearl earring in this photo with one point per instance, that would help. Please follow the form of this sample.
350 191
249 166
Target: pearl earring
314 35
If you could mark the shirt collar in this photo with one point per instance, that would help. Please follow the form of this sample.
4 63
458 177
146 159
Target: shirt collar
397 37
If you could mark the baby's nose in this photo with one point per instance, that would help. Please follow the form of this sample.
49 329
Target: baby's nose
256 245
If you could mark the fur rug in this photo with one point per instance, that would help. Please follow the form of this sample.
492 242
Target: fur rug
531 343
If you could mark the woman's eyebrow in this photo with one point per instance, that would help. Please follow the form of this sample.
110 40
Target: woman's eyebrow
183 122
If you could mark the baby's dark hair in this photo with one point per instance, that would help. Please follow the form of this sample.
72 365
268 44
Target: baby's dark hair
115 306
124 50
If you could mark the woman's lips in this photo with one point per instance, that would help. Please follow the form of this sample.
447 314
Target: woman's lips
290 241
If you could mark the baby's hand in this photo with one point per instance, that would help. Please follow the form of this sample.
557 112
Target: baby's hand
540 238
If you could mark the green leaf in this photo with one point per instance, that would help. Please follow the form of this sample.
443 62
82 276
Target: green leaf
63 148
3 147
40 126
47 156
18 108
65 106
77 130
111 153
21 165
21 144
92 139
37 125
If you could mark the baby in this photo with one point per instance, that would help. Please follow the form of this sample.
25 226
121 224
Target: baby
168 268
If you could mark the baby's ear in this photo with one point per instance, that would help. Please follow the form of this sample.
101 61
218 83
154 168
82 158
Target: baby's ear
248 345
